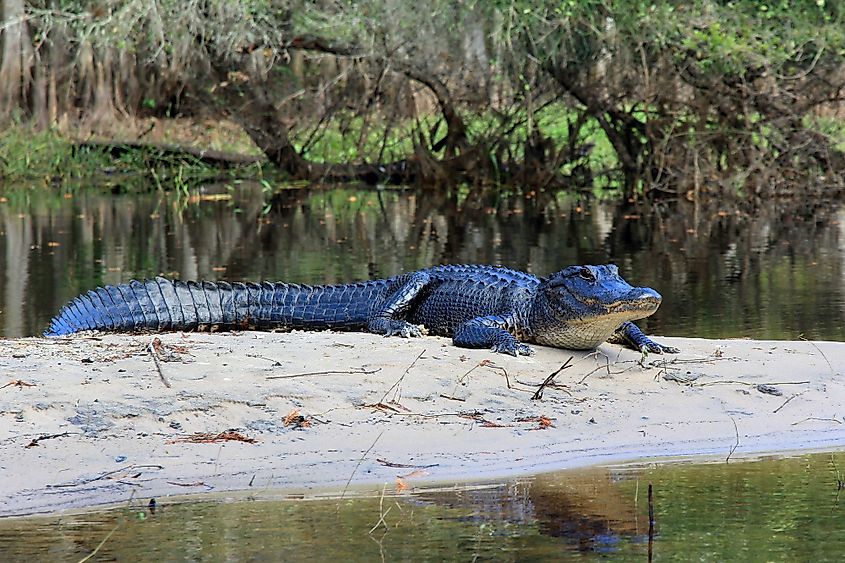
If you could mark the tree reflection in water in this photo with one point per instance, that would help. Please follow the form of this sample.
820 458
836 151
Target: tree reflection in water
772 271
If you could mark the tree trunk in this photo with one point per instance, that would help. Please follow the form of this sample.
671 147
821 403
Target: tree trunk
16 66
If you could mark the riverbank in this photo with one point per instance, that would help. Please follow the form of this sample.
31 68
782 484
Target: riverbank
93 420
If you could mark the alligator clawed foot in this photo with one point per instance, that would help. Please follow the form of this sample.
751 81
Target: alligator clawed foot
513 348
655 348
403 330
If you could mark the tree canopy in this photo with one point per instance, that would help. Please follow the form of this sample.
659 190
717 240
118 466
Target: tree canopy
659 97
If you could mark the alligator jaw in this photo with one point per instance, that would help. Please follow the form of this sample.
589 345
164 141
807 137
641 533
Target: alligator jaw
595 325
639 303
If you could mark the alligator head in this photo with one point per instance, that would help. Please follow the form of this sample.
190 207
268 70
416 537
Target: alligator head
581 306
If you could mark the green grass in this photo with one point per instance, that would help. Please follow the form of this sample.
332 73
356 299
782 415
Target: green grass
341 139
32 158
51 158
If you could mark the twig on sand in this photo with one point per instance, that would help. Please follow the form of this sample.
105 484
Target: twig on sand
460 380
491 365
736 382
153 348
398 385
605 366
539 393
809 418
105 475
384 407
357 465
813 344
786 401
212 438
19 383
404 465
35 441
353 371
452 398
736 445
276 363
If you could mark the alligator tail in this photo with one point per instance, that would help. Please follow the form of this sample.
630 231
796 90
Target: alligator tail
160 304
163 304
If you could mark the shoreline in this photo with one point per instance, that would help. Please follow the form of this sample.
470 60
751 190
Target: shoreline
89 420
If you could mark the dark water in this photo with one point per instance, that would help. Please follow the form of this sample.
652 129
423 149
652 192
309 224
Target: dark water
776 510
772 272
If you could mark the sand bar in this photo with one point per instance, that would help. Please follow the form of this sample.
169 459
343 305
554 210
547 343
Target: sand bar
96 419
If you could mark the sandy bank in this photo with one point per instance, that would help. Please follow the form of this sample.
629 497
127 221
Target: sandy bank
91 420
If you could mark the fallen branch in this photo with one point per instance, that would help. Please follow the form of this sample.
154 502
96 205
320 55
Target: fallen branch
19 383
539 393
211 438
210 157
353 371
35 441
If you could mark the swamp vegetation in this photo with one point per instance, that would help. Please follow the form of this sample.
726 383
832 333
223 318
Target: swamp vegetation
662 98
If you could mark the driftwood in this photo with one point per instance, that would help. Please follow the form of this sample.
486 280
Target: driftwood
217 159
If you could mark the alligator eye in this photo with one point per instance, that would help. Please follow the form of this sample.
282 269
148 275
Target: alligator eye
587 274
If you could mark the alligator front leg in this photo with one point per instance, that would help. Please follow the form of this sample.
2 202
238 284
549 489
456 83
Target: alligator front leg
630 335
387 320
490 332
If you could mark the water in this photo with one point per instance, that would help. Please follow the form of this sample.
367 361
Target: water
772 272
774 510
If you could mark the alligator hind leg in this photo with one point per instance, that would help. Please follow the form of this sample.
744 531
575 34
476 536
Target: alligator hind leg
630 335
387 320
490 332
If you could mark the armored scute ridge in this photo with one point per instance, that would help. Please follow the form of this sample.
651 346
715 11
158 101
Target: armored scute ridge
478 306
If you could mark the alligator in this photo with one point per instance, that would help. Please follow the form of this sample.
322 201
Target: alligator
493 307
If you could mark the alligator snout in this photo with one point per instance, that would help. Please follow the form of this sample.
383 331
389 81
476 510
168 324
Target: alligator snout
645 295
640 299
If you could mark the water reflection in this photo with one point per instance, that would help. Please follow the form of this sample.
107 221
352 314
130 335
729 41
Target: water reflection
774 272
585 510
785 510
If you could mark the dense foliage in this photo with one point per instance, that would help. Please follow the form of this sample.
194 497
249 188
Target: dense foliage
671 96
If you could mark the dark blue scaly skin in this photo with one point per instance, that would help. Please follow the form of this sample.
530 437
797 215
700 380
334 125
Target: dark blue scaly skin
478 306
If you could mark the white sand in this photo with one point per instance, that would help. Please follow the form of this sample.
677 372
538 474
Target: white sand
116 420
